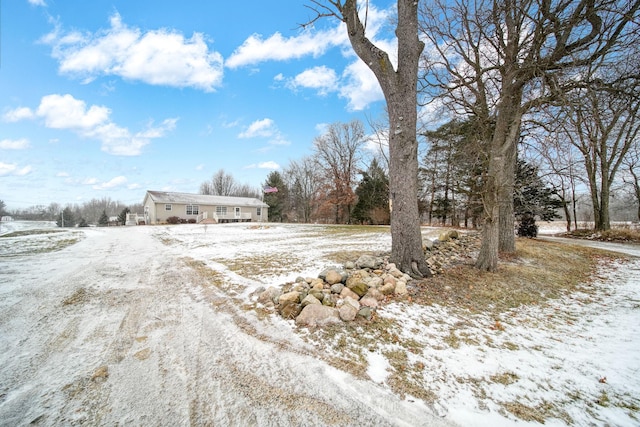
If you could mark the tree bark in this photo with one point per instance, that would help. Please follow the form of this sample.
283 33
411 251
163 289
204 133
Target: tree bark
400 91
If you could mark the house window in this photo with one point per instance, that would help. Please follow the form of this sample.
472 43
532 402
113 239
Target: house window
259 212
192 209
167 207
221 210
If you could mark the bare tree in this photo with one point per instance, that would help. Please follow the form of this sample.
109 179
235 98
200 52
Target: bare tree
338 151
399 86
603 122
632 165
496 60
304 182
221 184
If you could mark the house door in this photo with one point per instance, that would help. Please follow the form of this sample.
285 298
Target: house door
237 210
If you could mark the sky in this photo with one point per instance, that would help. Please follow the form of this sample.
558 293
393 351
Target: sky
113 98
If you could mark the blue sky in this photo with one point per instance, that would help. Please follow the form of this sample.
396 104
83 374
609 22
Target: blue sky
113 98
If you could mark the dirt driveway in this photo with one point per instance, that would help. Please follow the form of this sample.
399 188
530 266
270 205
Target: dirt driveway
117 330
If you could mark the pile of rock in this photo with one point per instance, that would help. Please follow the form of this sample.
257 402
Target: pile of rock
337 295
451 248
357 290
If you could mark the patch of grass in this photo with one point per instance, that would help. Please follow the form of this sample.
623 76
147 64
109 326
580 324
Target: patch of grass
30 233
211 276
341 257
504 378
79 296
538 271
352 230
258 265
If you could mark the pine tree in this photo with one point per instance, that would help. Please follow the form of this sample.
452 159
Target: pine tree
276 199
104 219
373 196
122 218
67 215
532 198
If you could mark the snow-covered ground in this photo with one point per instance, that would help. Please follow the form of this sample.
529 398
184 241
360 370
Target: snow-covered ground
112 326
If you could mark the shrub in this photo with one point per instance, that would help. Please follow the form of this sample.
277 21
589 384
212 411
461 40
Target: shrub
191 221
173 220
527 226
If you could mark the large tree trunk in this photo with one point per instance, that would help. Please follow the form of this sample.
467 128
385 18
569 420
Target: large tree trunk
498 232
400 90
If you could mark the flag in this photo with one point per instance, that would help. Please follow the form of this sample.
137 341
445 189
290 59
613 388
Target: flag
268 189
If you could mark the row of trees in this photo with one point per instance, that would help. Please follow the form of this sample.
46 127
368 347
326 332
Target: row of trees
93 212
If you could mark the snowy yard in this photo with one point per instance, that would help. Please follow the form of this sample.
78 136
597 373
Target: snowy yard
121 326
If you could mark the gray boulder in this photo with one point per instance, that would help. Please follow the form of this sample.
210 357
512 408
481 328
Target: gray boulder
318 315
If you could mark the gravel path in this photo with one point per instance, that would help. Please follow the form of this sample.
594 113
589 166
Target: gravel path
115 330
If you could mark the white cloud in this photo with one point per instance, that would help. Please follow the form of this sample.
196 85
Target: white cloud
14 144
264 128
200 167
256 49
118 181
90 181
360 86
18 114
264 165
157 57
11 169
66 112
321 78
37 3
133 186
63 174
268 165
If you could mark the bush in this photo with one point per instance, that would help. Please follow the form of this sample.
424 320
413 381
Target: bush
527 226
191 221
173 220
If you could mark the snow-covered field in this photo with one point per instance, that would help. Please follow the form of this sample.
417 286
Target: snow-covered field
108 326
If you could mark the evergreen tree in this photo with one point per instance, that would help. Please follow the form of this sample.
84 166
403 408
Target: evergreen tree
122 218
83 223
67 215
104 219
275 195
532 198
373 196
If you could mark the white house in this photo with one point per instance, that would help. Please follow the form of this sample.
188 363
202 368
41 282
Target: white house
160 205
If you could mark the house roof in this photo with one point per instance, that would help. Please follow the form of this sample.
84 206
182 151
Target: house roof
202 199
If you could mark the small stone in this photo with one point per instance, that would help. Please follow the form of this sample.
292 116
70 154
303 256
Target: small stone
337 288
346 292
293 296
333 277
349 265
374 293
368 261
330 300
347 312
387 289
369 302
310 299
375 282
365 312
289 309
401 288
359 288
317 293
271 294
